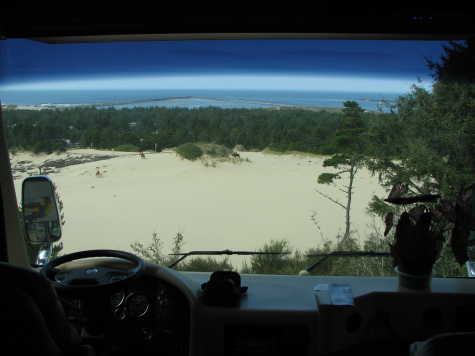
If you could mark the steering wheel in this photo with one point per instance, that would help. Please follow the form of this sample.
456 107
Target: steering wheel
91 276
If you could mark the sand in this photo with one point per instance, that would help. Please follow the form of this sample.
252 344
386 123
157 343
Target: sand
232 206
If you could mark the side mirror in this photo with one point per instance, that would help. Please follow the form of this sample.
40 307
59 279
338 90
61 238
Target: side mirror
40 216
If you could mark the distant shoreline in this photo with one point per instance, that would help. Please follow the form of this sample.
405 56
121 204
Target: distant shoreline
273 106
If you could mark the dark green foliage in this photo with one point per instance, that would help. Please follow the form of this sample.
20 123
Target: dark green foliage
159 128
292 264
205 264
189 151
435 143
457 63
435 130
297 261
127 148
380 208
49 146
271 264
215 150
436 147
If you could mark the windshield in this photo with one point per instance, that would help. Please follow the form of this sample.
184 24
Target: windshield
248 145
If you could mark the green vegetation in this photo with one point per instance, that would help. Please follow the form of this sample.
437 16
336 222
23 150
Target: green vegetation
127 148
154 253
155 127
214 150
295 261
432 138
49 146
189 151
206 264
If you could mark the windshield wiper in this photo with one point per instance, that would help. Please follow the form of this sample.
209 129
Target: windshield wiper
343 254
222 252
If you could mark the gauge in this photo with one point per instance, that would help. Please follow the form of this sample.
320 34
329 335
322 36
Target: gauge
163 305
137 305
116 299
120 314
61 277
162 298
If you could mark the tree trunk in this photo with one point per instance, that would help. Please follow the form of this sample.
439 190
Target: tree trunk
348 203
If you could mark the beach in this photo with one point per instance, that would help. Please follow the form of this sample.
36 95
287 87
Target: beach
238 206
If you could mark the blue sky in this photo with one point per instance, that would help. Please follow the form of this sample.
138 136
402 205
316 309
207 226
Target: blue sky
351 65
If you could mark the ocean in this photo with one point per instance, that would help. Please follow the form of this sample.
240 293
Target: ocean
371 101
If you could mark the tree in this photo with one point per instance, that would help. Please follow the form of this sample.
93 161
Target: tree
350 142
456 64
436 138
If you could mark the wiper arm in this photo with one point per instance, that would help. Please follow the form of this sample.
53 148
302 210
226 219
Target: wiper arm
222 252
343 254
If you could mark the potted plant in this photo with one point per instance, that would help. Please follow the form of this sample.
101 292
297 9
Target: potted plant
422 230
416 248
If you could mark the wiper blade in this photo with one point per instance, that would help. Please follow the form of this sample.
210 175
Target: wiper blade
222 252
351 253
344 254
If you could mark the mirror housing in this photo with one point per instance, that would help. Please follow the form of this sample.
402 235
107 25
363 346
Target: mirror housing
41 216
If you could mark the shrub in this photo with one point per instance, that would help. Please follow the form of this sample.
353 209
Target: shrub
270 264
189 151
127 148
296 261
215 150
154 253
205 264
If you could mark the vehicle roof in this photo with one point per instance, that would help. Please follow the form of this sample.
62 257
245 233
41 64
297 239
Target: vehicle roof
359 21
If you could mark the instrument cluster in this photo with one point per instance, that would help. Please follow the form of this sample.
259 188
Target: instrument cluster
134 304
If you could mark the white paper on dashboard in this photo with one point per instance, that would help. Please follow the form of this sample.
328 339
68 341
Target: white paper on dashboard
341 294
320 291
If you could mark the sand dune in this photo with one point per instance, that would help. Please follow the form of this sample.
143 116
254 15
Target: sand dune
232 206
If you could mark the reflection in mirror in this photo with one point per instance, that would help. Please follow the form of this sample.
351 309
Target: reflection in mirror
44 254
40 210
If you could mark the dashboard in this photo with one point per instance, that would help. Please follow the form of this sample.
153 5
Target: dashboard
162 311
143 314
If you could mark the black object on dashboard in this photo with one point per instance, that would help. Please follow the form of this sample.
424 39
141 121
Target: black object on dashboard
223 289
